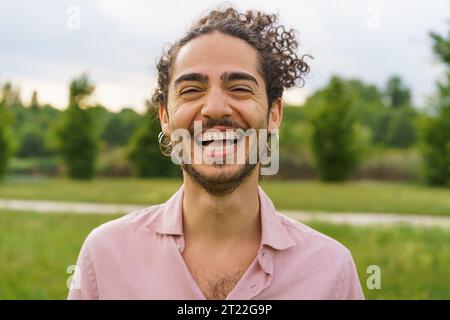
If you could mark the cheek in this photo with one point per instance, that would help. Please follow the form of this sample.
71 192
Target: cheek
182 116
254 113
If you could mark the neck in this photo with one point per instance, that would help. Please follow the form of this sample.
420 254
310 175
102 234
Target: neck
228 218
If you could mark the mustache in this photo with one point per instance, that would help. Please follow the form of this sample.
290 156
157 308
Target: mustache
211 123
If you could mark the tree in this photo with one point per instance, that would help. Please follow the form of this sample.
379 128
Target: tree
5 149
435 129
334 140
120 127
401 130
34 105
144 152
397 93
369 108
78 143
8 97
390 126
31 131
32 142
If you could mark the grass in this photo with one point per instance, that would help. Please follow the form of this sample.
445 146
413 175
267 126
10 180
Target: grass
354 196
36 249
414 262
361 196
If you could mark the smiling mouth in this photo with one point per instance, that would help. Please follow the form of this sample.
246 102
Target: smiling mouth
218 143
219 138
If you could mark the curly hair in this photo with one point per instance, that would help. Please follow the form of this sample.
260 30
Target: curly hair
279 64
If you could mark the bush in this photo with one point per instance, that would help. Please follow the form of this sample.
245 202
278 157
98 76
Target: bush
435 129
32 143
113 163
144 152
334 138
435 147
42 166
391 165
401 132
5 150
6 142
78 141
78 145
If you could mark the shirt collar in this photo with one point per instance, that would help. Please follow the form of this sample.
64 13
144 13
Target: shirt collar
274 232
168 220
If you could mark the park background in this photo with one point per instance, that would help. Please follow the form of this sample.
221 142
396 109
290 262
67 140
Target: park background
369 133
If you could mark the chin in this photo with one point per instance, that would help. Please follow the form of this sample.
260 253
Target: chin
219 172
219 180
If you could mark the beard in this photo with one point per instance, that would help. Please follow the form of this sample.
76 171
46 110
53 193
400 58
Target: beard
223 183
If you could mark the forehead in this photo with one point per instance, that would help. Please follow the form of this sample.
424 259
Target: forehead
216 53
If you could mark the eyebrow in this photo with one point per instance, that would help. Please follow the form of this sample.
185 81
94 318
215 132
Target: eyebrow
195 76
232 76
226 76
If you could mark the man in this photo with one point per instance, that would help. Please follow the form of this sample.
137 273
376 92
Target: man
219 236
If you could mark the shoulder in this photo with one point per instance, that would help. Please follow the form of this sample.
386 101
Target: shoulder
326 262
310 240
117 232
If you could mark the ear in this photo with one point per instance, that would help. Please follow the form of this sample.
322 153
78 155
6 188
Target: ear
164 119
275 115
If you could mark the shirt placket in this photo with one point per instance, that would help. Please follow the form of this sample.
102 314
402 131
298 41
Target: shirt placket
259 279
179 241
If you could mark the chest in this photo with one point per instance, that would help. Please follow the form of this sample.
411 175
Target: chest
217 273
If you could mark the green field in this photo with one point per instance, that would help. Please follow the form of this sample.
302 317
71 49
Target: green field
354 196
36 249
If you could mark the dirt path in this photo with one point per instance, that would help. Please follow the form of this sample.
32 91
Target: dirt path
354 218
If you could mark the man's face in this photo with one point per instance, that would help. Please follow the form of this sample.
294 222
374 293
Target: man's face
215 80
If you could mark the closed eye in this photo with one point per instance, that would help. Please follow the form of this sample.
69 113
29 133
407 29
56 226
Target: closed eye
241 89
190 90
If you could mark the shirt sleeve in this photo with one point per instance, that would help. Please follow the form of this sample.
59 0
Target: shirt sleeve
84 281
351 288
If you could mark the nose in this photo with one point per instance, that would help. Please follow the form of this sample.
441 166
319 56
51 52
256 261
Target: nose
216 106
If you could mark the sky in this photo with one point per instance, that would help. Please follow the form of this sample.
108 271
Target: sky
44 44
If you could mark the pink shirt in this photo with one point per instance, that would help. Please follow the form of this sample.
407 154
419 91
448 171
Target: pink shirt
138 256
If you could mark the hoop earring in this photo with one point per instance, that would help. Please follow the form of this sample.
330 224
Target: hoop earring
164 146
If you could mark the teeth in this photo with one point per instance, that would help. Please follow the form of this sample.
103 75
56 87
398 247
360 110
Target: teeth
213 136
